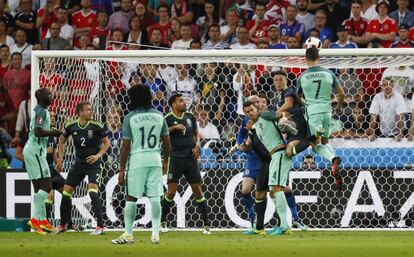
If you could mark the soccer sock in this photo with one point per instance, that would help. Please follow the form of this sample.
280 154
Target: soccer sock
49 207
281 204
155 214
96 205
40 200
202 208
129 216
65 208
248 202
290 199
260 208
325 151
166 204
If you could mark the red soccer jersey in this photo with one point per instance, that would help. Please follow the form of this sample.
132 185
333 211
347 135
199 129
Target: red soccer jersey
81 20
261 30
412 34
3 70
49 19
52 81
356 28
97 32
164 31
387 26
17 83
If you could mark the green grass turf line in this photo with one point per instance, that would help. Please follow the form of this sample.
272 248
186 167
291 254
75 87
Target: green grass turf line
218 244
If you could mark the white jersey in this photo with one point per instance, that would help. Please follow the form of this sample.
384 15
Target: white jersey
169 75
186 87
247 46
25 50
403 82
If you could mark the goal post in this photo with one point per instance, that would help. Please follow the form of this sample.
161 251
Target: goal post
378 192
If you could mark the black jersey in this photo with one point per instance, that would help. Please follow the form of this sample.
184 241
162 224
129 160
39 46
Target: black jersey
51 143
87 139
182 143
280 99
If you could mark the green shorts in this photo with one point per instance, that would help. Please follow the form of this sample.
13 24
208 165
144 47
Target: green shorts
319 124
35 162
279 169
146 180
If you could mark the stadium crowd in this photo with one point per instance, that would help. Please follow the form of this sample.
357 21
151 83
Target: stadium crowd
379 101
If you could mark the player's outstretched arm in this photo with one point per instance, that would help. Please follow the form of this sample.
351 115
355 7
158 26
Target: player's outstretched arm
61 152
39 132
166 150
196 149
125 149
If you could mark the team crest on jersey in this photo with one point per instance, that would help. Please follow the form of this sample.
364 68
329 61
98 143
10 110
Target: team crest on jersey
386 26
40 120
90 134
189 122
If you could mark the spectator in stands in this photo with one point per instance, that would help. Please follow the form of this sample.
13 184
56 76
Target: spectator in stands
136 35
276 11
156 40
402 15
7 112
195 44
71 6
263 44
291 27
45 17
99 34
303 16
185 85
243 85
174 33
83 21
211 17
4 37
214 42
21 133
228 31
153 6
149 79
336 14
244 9
164 24
168 75
66 31
259 26
369 10
411 34
182 10
308 162
84 42
356 25
383 28
343 41
403 38
144 18
292 43
55 42
17 80
403 81
117 37
274 38
389 106
22 47
243 40
26 20
211 91
7 17
120 19
5 63
186 38
326 35
207 130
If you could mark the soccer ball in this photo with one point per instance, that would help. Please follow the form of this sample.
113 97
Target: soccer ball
336 213
313 42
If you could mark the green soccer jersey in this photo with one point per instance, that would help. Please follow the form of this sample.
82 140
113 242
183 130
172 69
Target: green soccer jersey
145 129
40 119
267 130
317 84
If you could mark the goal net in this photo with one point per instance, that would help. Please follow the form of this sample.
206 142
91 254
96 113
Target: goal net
378 176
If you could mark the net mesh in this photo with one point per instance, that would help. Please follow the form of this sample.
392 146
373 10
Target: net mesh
378 181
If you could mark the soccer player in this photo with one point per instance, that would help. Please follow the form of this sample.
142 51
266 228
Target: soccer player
91 142
317 84
144 128
35 159
280 164
185 144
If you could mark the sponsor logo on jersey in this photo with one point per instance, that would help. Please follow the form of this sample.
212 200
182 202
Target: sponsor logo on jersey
90 134
189 122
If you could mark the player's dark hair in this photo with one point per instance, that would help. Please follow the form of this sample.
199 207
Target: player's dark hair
264 96
248 103
39 93
312 54
80 105
173 97
140 97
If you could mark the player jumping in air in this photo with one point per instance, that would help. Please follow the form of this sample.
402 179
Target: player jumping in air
316 84
34 154
91 142
144 128
185 146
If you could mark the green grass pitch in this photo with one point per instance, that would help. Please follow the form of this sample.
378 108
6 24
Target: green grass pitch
194 244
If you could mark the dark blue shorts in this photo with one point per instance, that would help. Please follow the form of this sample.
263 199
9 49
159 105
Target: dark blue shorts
250 173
